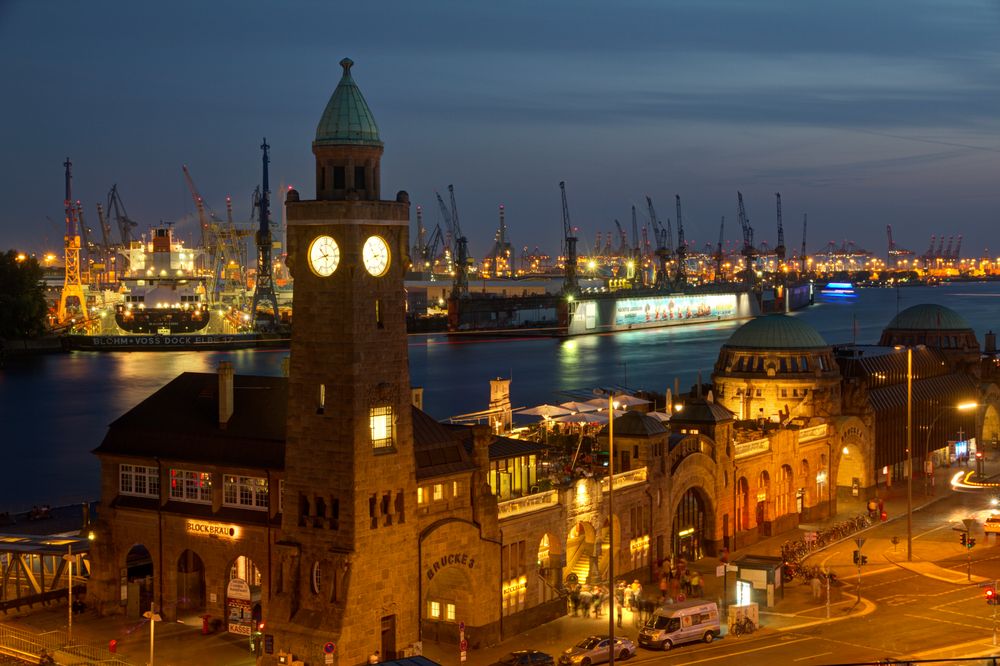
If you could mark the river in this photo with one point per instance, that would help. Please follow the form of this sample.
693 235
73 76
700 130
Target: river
54 410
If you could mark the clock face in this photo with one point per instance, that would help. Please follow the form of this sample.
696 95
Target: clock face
375 254
324 256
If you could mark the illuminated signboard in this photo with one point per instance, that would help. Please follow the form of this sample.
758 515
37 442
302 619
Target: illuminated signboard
654 310
213 529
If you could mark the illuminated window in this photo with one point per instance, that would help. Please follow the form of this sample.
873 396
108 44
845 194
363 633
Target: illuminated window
456 486
438 491
435 610
380 422
245 491
137 480
189 486
449 611
420 495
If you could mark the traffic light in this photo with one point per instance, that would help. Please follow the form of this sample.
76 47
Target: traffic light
857 556
964 539
864 559
991 595
972 542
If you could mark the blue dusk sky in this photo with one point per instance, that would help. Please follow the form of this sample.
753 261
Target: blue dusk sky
860 113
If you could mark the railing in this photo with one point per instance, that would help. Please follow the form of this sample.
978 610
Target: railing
625 479
23 644
753 447
527 504
812 433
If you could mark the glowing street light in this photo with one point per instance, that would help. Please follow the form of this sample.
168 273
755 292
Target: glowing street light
153 618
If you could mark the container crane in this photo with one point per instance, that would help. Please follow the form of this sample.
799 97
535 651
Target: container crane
570 285
681 247
623 248
106 244
420 249
958 249
501 252
661 280
636 244
449 234
460 288
947 252
263 291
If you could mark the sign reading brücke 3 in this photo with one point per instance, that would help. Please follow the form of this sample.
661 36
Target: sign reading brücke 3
459 559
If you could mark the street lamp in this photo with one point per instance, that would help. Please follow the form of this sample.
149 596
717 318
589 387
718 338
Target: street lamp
962 407
69 588
153 617
611 529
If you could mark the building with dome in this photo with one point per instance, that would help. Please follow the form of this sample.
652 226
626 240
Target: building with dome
937 327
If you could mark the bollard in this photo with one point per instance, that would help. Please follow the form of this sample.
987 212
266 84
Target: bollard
113 646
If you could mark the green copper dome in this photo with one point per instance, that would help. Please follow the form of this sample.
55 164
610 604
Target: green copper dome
347 120
776 331
927 317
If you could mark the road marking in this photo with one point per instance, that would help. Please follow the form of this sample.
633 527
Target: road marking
964 625
733 654
821 654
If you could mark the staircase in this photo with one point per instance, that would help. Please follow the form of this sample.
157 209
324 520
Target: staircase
581 568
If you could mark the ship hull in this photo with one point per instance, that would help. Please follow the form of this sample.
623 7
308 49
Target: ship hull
168 321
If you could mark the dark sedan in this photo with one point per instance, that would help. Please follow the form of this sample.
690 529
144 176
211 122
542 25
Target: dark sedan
526 658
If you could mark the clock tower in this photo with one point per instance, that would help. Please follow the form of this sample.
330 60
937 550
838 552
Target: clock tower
345 567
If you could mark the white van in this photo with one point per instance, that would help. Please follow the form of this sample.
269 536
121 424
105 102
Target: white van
685 622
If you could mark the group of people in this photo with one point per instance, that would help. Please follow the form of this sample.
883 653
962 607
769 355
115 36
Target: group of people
586 598
677 582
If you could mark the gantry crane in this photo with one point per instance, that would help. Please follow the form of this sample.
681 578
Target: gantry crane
263 290
779 249
460 288
623 248
661 280
718 250
749 252
681 247
570 285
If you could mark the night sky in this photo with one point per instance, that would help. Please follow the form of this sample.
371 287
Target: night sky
860 113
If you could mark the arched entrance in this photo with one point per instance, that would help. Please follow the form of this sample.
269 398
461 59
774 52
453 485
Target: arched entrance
138 580
190 583
991 427
243 610
449 599
579 552
551 560
690 526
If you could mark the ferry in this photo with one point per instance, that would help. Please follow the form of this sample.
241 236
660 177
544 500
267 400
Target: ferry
838 290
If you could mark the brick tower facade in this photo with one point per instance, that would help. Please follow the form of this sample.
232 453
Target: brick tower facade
345 565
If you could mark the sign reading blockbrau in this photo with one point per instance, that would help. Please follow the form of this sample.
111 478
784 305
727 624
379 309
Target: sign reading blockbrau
455 559
213 529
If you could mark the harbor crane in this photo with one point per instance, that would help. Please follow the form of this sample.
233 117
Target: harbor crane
681 247
802 252
718 250
460 289
636 243
570 285
502 252
449 234
779 249
263 291
72 291
661 280
749 252
623 248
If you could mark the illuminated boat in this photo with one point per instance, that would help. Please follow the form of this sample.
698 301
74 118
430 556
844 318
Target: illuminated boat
838 290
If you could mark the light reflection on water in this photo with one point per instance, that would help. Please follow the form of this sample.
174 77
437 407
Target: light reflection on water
54 410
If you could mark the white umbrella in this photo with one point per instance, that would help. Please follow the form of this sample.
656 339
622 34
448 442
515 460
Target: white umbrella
619 401
574 406
546 411
590 417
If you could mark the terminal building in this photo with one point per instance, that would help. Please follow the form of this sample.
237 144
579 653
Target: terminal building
328 507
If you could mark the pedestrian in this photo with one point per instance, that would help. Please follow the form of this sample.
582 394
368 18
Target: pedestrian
636 593
816 585
686 582
586 598
620 600
598 601
663 585
574 598
695 584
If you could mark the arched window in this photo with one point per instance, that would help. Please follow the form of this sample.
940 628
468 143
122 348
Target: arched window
742 504
786 491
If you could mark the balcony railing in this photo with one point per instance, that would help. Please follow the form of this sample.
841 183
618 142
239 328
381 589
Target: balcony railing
625 479
522 505
812 434
753 448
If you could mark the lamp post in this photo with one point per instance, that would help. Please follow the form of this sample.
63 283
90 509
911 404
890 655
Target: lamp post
69 593
611 529
962 407
909 454
154 617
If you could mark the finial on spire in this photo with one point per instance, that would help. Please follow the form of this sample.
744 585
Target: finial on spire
347 63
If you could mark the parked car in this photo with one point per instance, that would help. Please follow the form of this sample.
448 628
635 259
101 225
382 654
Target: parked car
594 650
526 658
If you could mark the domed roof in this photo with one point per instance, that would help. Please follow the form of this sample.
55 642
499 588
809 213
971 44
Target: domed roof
928 317
347 118
776 331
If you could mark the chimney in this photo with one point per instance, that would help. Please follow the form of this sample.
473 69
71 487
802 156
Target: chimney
991 342
225 393
417 397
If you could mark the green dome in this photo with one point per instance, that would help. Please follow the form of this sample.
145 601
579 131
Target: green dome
347 118
927 317
776 331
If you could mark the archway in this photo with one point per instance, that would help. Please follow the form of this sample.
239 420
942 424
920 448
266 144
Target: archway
450 597
808 489
551 558
851 470
190 582
991 427
579 551
138 580
785 499
243 597
691 528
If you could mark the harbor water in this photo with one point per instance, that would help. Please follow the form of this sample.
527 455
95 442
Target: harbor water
54 410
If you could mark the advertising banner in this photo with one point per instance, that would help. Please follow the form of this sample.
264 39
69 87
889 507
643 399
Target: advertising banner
669 309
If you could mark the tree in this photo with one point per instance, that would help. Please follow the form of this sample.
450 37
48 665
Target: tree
22 297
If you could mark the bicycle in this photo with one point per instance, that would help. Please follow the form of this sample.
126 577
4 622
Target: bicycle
742 625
